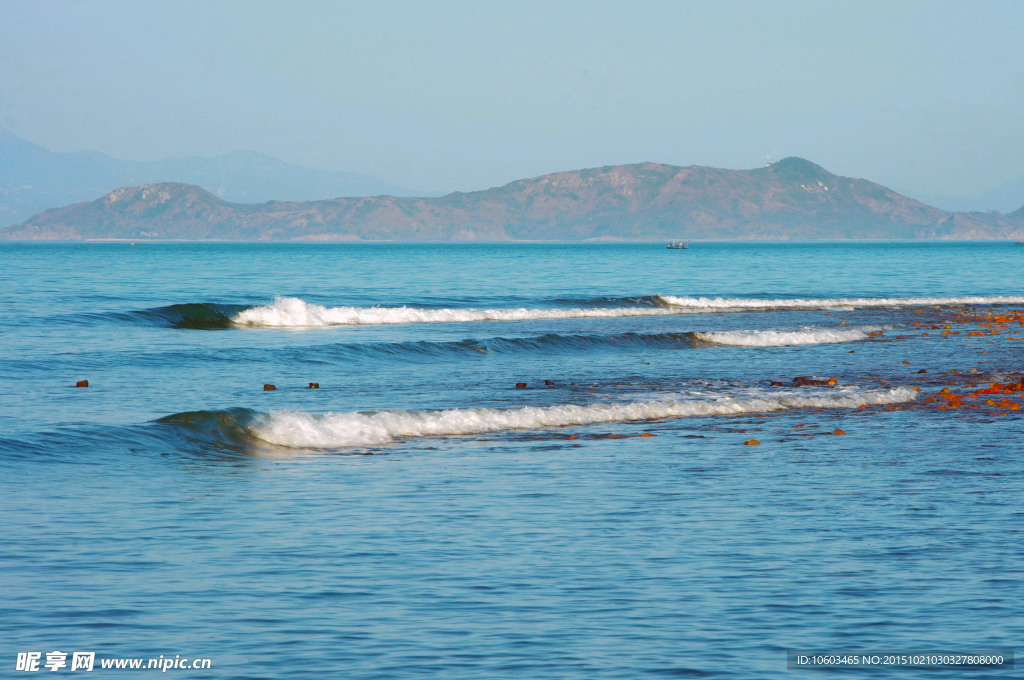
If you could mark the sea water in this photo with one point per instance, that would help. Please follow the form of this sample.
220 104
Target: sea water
521 460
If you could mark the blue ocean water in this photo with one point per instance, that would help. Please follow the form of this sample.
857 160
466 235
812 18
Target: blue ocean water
419 515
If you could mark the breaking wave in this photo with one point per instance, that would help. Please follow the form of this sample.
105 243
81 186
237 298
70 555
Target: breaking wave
772 338
296 429
702 304
297 313
294 312
290 312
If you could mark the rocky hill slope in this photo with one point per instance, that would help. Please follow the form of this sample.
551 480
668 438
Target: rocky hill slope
790 199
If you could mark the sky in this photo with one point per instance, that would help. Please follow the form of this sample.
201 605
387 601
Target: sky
926 97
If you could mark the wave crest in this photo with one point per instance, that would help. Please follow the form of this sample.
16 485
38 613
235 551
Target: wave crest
294 429
190 315
220 430
752 304
295 312
290 312
773 338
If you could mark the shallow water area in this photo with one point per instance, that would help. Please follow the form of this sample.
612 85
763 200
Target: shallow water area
556 495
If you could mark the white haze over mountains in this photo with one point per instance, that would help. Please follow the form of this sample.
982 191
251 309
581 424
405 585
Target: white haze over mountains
34 179
1004 198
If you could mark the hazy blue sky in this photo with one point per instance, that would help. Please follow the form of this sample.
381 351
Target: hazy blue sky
927 97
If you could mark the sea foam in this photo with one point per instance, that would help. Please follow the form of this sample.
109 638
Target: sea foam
296 429
741 304
294 312
773 338
297 313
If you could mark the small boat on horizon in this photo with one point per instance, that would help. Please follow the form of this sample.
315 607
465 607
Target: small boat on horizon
678 245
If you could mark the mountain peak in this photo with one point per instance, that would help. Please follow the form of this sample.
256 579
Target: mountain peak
794 167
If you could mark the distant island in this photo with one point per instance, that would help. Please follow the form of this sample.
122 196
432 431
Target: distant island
793 199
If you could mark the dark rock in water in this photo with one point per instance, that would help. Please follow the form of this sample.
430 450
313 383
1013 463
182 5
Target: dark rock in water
804 380
314 386
549 382
82 383
268 387
923 371
520 386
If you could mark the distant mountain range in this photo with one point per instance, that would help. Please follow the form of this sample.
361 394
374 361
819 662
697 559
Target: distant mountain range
33 179
790 199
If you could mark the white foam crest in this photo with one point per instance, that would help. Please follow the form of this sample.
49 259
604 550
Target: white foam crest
297 313
809 336
297 429
740 304
294 312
